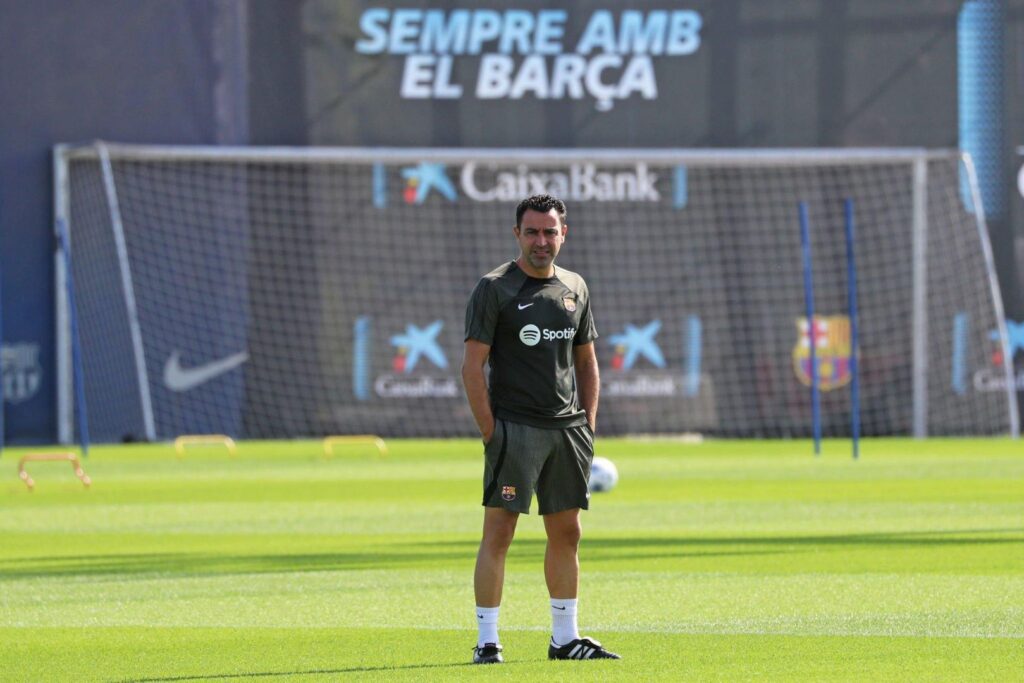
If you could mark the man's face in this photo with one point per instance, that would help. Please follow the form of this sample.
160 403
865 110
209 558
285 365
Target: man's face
540 236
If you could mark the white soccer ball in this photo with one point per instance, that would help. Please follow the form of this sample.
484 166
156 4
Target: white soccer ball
603 475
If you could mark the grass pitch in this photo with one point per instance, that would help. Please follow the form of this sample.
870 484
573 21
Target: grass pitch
721 561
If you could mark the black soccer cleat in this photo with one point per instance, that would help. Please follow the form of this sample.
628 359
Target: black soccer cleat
581 648
488 653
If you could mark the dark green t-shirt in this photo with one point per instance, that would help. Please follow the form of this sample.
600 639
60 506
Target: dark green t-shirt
532 326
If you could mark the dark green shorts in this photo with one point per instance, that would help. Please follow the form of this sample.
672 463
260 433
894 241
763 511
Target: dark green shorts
554 463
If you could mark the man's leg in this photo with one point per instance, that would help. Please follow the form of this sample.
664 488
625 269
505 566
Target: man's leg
561 561
489 578
499 528
562 571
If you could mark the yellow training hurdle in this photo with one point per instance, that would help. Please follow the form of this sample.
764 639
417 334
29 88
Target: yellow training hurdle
357 439
76 465
204 440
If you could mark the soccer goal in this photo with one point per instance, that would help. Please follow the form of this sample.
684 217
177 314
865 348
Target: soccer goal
272 293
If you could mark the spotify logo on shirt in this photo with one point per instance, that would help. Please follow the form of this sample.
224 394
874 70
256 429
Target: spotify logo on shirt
531 334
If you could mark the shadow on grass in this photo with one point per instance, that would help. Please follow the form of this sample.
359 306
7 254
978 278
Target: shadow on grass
308 672
455 552
196 564
941 537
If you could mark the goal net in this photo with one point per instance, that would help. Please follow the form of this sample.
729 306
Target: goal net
272 293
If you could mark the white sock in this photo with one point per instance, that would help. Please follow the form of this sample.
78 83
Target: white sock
563 621
487 622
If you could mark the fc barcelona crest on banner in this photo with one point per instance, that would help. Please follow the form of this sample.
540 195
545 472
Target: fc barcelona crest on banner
832 351
22 373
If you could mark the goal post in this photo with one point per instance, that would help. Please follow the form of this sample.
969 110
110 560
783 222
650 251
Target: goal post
290 292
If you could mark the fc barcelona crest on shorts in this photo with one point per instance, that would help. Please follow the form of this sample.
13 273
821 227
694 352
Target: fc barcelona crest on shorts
508 492
570 303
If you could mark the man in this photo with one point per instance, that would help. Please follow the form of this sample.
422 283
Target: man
531 321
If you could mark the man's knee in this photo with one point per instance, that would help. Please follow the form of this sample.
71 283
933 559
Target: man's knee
498 539
499 529
565 532
569 536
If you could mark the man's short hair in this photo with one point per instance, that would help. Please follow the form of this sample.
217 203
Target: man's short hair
542 203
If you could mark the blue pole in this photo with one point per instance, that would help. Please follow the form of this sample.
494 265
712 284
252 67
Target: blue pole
76 347
694 345
981 31
805 242
851 295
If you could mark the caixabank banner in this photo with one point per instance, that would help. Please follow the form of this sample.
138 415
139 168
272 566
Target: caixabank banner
698 299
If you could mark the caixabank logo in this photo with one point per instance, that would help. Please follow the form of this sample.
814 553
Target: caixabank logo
424 178
410 378
994 376
492 182
418 368
580 182
638 365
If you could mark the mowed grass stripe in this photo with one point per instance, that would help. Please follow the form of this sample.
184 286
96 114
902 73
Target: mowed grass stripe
681 602
163 655
983 551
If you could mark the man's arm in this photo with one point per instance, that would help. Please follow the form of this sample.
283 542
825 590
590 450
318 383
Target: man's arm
473 359
588 380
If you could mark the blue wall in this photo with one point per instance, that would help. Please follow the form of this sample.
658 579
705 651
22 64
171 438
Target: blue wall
73 71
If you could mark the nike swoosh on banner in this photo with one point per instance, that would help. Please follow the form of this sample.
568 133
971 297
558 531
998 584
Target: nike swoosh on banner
177 378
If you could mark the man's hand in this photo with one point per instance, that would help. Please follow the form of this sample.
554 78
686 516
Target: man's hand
476 386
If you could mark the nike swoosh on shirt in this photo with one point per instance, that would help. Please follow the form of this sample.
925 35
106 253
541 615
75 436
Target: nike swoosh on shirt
522 306
177 378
